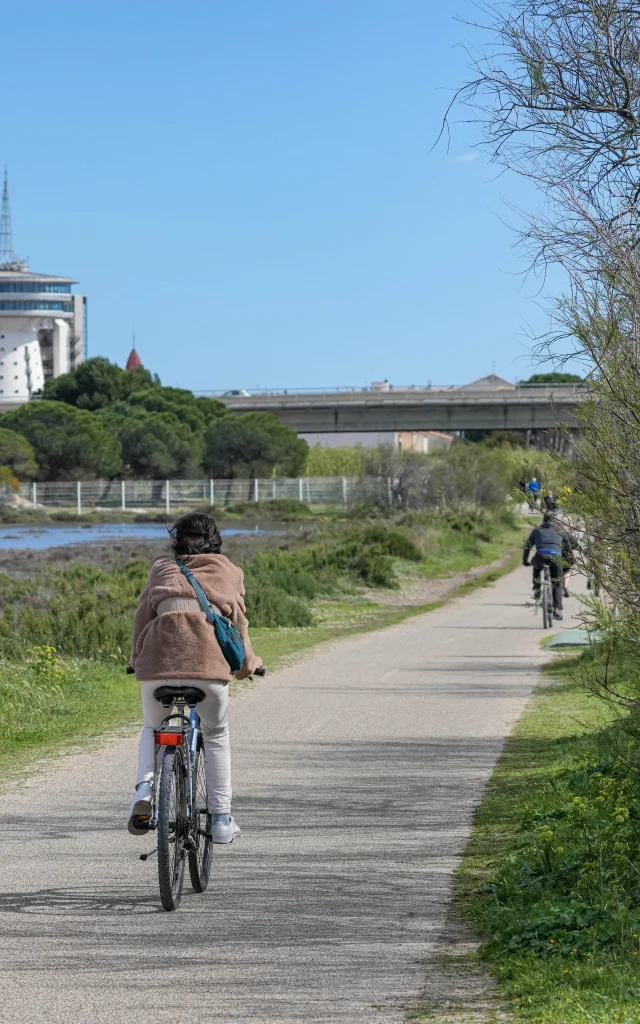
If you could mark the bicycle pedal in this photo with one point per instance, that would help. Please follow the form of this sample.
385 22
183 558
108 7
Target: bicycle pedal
145 856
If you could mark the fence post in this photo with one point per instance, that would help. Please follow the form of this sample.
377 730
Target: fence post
344 491
255 489
300 488
167 499
34 493
389 491
211 492
123 495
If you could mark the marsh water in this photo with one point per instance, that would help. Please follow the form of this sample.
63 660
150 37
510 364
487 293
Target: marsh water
39 537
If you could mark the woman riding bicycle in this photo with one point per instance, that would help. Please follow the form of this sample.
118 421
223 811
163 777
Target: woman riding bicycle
172 641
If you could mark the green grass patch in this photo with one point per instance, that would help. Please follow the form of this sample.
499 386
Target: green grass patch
50 704
551 876
462 543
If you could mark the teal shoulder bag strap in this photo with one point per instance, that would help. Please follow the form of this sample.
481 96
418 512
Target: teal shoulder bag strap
227 635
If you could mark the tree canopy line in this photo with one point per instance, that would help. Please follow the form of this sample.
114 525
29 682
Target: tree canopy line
101 421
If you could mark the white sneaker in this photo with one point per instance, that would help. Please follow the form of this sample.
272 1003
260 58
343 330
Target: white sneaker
224 829
140 809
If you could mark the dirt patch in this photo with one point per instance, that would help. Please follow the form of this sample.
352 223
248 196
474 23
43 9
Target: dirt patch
423 590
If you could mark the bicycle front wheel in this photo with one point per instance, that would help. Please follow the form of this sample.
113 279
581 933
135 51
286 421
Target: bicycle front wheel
172 827
200 854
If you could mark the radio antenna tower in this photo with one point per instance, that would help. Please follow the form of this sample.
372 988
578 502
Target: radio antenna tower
9 260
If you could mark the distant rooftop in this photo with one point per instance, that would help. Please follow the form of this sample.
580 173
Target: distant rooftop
133 362
490 382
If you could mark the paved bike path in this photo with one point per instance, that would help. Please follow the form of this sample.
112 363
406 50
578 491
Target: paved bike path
356 772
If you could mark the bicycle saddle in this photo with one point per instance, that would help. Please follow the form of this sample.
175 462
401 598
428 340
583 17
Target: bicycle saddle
167 695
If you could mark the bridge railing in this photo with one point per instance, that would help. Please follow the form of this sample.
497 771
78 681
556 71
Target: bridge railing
174 495
450 391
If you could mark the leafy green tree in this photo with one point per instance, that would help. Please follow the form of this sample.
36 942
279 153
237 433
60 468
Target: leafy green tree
17 454
154 445
97 384
253 444
495 438
194 412
68 443
553 378
210 408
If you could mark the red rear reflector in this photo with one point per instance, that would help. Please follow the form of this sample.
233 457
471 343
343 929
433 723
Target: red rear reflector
169 739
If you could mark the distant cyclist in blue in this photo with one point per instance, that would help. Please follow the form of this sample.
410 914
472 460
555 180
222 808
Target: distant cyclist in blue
533 487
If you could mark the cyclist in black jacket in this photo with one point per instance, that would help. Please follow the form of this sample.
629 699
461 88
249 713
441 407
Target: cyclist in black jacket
553 548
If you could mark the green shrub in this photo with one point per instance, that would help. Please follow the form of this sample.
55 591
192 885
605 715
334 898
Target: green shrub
392 541
272 606
82 611
19 516
286 570
279 508
364 556
573 886
565 880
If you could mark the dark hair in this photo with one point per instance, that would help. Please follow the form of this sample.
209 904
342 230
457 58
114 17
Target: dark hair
195 534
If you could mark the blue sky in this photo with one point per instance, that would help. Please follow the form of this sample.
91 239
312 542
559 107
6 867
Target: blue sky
251 185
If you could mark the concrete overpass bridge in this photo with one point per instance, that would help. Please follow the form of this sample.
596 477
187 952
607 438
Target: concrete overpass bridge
525 407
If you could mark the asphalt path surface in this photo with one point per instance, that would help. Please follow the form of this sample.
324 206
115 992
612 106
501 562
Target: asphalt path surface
356 772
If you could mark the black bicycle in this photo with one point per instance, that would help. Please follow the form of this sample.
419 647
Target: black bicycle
179 812
546 597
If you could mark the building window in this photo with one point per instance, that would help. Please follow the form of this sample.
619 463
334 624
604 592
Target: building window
35 287
27 306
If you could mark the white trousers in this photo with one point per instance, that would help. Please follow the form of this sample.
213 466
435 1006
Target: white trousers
215 733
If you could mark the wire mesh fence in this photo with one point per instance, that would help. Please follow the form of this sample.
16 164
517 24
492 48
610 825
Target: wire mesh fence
174 495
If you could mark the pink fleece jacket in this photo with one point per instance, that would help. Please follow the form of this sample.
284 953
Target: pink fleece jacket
182 645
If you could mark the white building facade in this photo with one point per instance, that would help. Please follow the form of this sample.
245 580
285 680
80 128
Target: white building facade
43 325
42 332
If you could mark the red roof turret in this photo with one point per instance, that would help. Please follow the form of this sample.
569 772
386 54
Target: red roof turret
133 362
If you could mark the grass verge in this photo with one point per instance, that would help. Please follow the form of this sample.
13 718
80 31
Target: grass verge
550 877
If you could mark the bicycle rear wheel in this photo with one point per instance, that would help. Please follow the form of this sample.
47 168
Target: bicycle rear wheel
200 856
547 600
172 827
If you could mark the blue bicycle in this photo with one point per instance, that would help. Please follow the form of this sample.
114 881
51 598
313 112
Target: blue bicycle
179 813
